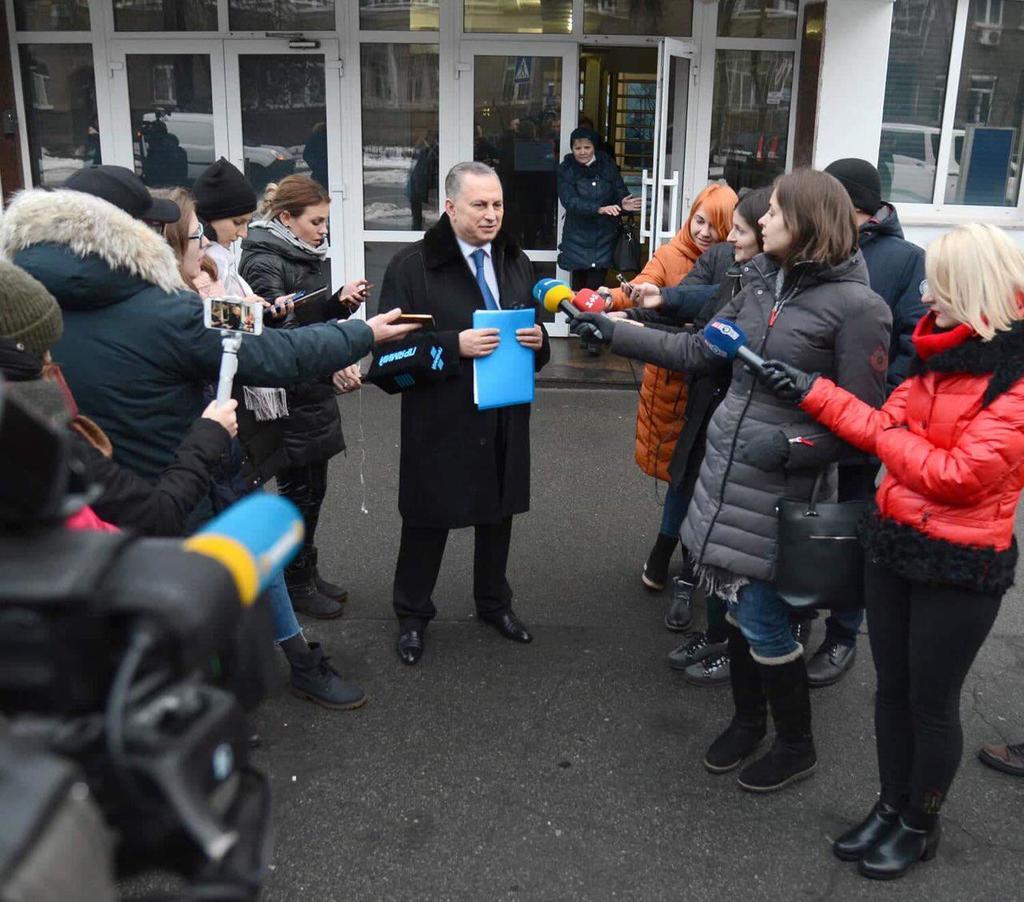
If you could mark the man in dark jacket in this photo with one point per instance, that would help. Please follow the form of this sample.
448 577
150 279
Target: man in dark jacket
461 466
896 271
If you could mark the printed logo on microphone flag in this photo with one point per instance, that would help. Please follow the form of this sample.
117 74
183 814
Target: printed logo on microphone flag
436 354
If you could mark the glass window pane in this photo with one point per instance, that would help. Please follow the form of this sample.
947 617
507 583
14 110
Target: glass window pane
667 17
51 15
988 130
171 109
165 15
517 110
279 15
282 97
60 110
400 152
516 17
398 15
750 117
915 91
757 18
377 255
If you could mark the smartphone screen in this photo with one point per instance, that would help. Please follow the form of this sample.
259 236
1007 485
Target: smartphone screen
233 315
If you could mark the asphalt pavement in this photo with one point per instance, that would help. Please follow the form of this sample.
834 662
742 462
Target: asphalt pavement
570 769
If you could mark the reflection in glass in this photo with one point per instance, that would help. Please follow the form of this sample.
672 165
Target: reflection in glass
51 15
915 92
400 140
377 256
60 110
516 17
988 130
171 109
165 15
399 15
517 110
757 18
284 117
750 117
277 15
663 17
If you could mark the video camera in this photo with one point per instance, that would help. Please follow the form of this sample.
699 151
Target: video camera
127 668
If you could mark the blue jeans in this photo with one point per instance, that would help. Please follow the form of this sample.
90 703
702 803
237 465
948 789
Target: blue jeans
763 618
281 610
844 626
674 511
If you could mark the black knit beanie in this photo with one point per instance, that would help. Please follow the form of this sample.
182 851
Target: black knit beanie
861 181
222 191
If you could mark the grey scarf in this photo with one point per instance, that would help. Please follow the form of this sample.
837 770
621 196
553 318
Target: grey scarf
278 228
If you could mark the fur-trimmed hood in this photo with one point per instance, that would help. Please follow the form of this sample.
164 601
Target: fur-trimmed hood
82 226
1002 357
440 246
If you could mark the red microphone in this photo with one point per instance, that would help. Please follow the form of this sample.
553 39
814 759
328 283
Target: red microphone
586 300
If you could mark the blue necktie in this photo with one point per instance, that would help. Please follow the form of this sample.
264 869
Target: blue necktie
478 261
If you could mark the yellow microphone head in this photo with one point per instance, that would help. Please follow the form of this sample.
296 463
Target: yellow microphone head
555 295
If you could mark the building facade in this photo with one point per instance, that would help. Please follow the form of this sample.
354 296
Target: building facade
377 98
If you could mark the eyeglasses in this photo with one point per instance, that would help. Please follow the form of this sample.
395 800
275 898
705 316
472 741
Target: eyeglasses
198 236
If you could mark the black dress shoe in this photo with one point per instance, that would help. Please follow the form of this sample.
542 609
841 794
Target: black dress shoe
510 626
830 663
899 850
410 646
856 842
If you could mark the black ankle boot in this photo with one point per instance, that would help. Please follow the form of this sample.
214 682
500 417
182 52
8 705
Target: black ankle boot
315 680
680 611
749 724
655 571
331 590
856 842
899 850
306 598
792 756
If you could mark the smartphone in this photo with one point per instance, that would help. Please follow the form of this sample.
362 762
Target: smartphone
423 319
301 296
231 314
622 279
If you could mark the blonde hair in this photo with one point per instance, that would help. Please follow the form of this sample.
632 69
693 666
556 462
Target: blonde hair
292 194
978 272
176 233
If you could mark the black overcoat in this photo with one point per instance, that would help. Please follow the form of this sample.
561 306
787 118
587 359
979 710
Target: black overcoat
459 466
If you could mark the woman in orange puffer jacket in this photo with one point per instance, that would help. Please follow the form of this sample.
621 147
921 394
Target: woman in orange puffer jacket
659 415
940 549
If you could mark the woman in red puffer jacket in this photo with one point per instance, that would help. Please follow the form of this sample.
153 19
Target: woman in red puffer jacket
940 551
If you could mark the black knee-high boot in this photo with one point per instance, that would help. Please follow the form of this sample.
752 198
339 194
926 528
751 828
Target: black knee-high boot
792 756
749 723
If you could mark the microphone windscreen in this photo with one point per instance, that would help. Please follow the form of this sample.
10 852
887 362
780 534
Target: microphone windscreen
539 289
253 540
554 295
588 301
724 338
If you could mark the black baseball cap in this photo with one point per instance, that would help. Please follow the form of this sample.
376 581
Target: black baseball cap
123 188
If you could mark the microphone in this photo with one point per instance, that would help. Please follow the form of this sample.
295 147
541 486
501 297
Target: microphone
726 339
253 540
554 296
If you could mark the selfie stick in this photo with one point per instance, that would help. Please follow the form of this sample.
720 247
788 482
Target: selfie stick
230 342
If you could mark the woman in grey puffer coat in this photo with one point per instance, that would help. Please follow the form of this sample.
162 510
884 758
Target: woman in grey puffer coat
807 298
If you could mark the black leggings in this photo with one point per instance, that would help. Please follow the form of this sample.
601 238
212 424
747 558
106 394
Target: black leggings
924 638
305 486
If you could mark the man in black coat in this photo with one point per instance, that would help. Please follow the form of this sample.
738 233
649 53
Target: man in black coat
461 466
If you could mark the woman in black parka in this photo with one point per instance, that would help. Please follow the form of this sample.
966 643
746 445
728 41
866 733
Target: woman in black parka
594 196
286 252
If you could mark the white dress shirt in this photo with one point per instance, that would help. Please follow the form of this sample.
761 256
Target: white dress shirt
489 274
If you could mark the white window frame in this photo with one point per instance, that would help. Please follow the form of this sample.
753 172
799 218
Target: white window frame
939 212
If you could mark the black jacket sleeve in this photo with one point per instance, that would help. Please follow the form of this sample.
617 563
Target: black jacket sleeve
163 508
906 313
265 273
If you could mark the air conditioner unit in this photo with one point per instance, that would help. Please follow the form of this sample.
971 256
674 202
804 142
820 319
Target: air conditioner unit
990 37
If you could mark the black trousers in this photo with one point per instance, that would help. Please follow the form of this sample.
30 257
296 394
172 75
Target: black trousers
924 638
305 487
586 278
419 562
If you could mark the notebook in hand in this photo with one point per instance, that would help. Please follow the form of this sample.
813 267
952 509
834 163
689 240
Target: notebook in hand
504 377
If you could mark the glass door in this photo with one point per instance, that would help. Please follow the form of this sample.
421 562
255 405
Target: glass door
666 188
283 119
519 103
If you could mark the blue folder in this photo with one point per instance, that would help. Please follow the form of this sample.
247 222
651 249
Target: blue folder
504 377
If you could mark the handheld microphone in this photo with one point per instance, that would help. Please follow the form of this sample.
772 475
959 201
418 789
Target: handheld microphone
253 540
726 339
554 296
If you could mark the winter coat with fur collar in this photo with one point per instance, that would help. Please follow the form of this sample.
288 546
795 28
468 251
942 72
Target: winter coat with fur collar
135 351
951 438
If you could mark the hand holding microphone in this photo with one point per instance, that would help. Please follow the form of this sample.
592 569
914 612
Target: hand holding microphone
787 382
555 296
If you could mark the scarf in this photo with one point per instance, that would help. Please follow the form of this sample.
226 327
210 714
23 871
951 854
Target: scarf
928 342
278 228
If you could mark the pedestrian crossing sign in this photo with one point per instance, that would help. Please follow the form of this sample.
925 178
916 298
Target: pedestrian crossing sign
524 66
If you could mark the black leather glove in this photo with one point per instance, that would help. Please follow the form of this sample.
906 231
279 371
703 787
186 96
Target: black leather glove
787 382
593 327
766 451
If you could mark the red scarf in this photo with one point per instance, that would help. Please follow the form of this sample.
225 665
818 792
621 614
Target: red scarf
928 342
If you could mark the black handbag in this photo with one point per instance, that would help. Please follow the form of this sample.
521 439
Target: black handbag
820 561
626 257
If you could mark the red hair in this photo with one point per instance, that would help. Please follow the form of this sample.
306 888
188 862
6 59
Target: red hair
718 202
